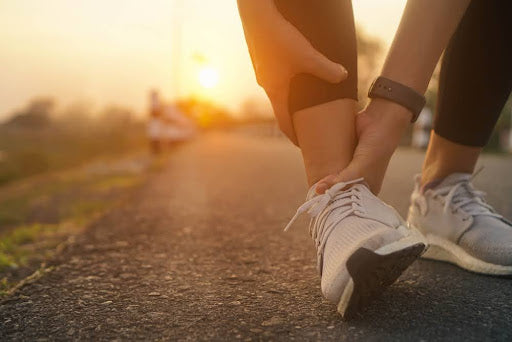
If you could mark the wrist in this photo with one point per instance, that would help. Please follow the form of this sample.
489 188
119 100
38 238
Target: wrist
389 112
407 97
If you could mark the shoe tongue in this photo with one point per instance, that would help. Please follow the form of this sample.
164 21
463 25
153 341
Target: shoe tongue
450 180
455 178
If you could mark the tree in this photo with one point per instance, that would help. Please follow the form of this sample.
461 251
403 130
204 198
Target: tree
37 114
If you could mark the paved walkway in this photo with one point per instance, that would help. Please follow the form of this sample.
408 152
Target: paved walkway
198 254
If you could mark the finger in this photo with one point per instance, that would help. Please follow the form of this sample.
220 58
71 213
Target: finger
322 67
325 183
351 172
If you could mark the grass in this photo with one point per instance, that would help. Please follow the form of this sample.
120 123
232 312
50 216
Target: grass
13 251
23 242
4 287
17 200
36 140
16 206
116 182
12 211
74 199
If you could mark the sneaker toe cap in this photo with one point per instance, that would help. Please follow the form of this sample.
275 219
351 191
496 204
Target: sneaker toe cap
490 241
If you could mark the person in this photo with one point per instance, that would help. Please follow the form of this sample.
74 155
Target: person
304 56
177 127
155 127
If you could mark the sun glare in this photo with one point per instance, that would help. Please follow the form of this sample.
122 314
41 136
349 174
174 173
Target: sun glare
208 77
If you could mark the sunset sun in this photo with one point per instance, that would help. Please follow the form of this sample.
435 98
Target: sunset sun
208 77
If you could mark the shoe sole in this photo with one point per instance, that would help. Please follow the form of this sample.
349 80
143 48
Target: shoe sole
444 250
371 273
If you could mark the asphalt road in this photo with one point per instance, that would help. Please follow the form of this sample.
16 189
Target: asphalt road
198 253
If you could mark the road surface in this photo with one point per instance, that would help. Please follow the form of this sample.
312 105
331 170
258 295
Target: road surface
198 253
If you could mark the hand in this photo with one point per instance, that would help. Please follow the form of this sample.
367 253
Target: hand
379 128
279 51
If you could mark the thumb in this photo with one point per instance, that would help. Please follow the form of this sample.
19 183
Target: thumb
322 67
351 172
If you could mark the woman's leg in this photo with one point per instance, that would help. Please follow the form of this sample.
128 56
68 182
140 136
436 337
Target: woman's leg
324 113
360 250
476 80
326 136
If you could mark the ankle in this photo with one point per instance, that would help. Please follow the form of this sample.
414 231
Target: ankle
445 157
438 171
429 177
388 116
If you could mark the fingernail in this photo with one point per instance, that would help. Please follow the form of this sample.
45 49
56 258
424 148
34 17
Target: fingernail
320 188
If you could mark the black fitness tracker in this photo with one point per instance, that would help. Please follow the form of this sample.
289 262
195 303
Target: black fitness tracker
393 91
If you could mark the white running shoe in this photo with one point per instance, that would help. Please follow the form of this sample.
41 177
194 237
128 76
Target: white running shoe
461 227
363 245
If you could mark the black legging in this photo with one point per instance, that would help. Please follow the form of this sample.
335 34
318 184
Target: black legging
329 27
476 75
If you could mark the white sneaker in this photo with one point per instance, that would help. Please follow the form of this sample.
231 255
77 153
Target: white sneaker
363 245
461 227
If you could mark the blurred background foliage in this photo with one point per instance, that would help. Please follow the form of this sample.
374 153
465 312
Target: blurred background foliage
39 138
43 137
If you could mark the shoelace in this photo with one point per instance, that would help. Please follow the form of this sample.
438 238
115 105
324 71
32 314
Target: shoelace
338 199
463 196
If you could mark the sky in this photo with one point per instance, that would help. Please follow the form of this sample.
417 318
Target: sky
112 52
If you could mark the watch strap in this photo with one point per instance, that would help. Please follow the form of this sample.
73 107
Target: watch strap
396 92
